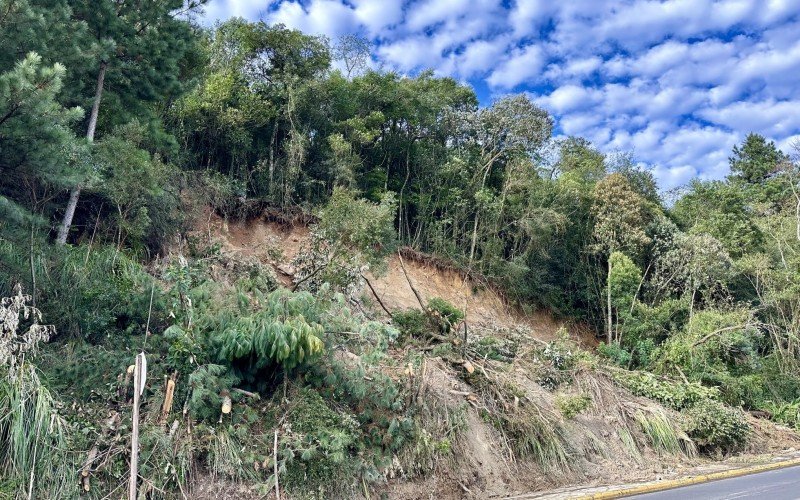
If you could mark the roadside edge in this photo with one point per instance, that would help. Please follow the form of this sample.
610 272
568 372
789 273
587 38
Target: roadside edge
687 481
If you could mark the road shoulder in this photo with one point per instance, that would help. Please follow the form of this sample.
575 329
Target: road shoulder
698 477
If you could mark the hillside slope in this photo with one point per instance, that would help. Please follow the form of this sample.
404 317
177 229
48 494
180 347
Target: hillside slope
279 243
508 390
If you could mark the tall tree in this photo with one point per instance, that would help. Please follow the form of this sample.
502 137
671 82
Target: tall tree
620 218
756 159
140 46
35 140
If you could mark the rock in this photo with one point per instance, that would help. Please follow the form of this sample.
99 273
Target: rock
286 269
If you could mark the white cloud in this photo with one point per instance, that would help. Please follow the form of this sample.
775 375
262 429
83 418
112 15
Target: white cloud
480 55
377 16
527 16
410 53
320 17
771 118
522 65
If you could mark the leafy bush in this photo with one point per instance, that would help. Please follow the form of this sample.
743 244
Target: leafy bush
497 349
615 353
208 383
562 353
784 412
716 427
411 322
351 236
265 339
714 346
320 447
672 394
570 406
87 292
557 360
444 314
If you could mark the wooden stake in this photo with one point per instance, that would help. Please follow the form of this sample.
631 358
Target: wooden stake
169 394
137 384
275 458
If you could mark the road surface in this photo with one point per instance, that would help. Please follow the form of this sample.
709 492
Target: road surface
781 484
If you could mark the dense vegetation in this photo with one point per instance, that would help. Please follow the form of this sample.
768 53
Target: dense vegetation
120 122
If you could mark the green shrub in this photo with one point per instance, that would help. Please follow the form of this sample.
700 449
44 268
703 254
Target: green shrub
352 234
716 427
784 412
87 292
557 360
561 353
570 406
411 322
446 315
615 353
207 384
497 349
672 394
320 449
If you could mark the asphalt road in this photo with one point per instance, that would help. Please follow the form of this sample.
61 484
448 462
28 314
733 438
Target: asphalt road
781 484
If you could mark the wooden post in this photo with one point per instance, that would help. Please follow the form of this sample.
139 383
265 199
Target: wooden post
275 466
137 385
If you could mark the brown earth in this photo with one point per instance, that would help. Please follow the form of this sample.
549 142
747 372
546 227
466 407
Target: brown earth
277 244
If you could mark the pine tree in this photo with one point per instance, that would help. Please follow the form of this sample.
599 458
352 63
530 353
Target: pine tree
35 140
140 46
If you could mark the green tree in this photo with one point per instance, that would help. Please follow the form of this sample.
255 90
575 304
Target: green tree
620 218
129 178
624 280
756 159
140 46
511 128
722 210
351 237
36 144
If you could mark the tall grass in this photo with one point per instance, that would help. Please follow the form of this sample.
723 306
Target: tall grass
33 441
663 435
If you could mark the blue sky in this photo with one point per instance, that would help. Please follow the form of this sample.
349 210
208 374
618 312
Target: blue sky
678 82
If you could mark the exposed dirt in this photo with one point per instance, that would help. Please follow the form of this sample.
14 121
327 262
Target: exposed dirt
277 244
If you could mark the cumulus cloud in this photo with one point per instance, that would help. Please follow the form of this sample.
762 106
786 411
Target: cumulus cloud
522 65
326 17
679 82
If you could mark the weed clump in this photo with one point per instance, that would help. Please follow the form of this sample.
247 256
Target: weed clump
319 446
412 323
675 395
444 315
570 406
716 427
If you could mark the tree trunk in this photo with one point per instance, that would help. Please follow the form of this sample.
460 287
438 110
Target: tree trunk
609 321
474 240
75 194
